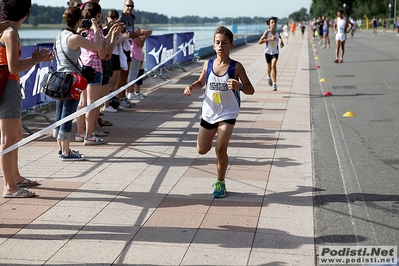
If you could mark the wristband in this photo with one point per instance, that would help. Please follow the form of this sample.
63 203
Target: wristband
242 87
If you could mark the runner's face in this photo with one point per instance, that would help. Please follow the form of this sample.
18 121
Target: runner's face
222 44
272 23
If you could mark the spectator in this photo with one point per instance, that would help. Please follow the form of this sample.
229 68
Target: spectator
320 28
111 19
127 19
341 25
15 11
384 25
326 32
136 65
72 3
93 92
374 26
138 55
68 41
111 31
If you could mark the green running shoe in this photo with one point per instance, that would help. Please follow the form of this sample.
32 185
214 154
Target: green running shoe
220 190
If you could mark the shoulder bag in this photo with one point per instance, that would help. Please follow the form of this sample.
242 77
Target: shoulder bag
57 85
65 86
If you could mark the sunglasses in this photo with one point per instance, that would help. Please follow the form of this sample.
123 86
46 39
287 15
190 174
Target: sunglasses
130 6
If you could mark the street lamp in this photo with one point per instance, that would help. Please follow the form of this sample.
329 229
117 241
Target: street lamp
344 5
394 14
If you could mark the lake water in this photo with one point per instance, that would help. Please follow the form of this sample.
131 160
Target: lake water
203 34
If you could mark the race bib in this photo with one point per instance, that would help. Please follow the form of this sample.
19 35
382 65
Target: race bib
217 98
272 45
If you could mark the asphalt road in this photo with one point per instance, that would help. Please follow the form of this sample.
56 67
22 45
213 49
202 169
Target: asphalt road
356 159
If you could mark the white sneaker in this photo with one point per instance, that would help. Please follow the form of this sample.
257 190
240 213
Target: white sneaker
79 138
125 103
99 131
141 94
109 109
93 141
135 96
274 87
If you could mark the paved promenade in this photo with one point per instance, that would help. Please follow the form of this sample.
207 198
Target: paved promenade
144 198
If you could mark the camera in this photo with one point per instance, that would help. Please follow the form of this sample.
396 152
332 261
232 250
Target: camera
86 23
129 28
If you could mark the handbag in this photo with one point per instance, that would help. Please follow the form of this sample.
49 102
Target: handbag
108 70
57 85
4 73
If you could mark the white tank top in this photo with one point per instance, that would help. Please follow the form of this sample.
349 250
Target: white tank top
272 46
220 103
341 25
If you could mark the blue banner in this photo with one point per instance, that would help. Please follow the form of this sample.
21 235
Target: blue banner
185 43
28 78
44 68
31 78
158 49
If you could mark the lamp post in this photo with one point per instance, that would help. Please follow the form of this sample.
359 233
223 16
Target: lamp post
389 17
394 14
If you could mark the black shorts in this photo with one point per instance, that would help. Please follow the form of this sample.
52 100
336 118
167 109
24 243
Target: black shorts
116 64
128 56
105 81
269 57
209 126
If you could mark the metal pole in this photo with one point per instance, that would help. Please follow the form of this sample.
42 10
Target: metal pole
394 14
389 17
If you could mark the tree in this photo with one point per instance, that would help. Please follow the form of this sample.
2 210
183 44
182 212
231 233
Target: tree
33 21
300 15
353 8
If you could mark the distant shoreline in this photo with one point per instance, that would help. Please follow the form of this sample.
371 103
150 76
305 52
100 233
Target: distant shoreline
60 26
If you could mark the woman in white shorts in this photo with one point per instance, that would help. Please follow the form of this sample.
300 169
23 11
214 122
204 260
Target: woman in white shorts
340 29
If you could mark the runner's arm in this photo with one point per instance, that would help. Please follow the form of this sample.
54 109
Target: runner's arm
263 39
199 83
281 40
246 85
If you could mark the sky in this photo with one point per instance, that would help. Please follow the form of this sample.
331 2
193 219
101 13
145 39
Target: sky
204 8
